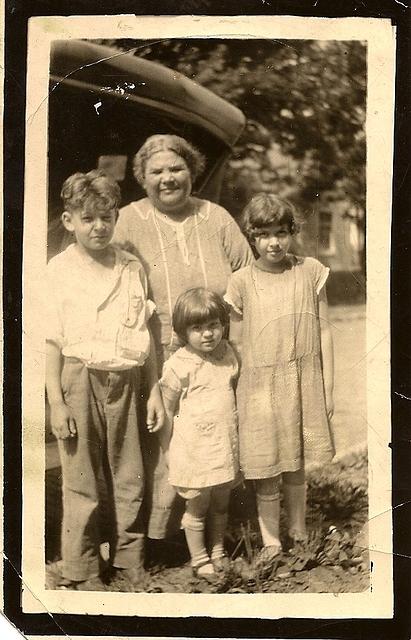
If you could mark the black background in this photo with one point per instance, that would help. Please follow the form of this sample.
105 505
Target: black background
17 13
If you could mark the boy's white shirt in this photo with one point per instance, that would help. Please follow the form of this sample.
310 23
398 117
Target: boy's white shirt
101 321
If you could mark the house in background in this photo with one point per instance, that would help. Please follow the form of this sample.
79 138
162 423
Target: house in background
334 233
332 230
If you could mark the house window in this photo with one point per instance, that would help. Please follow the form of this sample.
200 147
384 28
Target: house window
113 165
325 233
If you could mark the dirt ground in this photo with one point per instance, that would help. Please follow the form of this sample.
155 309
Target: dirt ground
350 416
335 558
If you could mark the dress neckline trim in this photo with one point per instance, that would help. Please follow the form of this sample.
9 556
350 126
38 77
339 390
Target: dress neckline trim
218 354
294 261
173 223
202 211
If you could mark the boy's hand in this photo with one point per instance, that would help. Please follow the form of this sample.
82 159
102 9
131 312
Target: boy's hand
329 405
155 410
63 424
167 457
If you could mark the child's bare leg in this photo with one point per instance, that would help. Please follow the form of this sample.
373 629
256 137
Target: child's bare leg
294 490
194 525
268 508
217 520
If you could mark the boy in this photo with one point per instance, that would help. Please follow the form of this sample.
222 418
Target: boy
97 342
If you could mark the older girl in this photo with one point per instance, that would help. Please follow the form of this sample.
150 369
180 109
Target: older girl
285 391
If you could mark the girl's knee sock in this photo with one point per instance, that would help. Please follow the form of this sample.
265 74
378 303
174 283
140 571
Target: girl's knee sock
268 509
295 506
217 524
194 532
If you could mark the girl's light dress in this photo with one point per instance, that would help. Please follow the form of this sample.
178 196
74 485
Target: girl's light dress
204 444
280 396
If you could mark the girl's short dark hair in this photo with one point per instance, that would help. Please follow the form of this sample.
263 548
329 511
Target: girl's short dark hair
90 190
168 142
196 306
265 209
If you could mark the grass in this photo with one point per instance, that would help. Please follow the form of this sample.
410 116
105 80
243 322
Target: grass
331 560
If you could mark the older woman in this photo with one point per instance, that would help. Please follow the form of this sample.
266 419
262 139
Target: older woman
183 242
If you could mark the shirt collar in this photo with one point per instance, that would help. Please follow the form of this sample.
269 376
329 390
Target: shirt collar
187 353
122 257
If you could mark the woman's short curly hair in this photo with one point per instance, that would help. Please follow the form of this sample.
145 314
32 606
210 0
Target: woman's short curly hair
265 209
167 142
93 189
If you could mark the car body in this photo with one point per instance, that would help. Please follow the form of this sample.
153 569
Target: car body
104 103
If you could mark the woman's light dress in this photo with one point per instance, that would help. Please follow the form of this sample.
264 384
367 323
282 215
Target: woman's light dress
280 396
201 251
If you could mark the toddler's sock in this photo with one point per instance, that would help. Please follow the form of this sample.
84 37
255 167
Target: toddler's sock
295 506
194 532
217 524
268 509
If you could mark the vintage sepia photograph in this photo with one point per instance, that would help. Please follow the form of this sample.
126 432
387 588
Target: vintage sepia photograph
206 360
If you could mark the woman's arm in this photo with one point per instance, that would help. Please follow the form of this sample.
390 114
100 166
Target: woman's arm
155 407
62 422
235 245
236 332
327 353
124 234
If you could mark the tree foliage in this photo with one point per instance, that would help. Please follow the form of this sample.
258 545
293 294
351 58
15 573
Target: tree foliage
305 105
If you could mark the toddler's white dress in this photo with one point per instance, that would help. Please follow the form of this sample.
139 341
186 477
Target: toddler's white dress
204 444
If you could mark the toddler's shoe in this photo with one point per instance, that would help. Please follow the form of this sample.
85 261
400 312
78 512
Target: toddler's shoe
221 564
205 571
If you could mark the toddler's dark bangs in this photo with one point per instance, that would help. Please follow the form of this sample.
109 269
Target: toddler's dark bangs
200 313
198 306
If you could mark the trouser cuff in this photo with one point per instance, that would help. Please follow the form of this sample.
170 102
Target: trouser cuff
77 572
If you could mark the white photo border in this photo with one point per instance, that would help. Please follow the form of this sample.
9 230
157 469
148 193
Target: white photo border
380 38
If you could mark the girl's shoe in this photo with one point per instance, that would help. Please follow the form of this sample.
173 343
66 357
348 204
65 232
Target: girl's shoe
296 542
268 559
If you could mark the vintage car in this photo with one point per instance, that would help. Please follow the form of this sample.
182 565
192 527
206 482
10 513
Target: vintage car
103 104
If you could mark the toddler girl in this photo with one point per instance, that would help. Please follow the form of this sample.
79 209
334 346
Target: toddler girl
197 386
285 387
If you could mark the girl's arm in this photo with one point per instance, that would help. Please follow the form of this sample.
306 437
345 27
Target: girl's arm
62 422
155 407
236 332
327 353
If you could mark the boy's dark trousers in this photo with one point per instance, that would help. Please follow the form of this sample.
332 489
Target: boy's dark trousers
104 406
